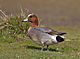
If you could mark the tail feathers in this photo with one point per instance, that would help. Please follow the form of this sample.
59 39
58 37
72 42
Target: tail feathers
61 33
57 33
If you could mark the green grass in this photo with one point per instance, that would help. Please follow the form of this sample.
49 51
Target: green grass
24 48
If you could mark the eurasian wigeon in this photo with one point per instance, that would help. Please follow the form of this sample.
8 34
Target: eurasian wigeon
43 35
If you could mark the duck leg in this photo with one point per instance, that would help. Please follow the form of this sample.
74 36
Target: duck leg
42 47
47 47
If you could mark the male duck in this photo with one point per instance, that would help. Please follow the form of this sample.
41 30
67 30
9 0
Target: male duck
43 35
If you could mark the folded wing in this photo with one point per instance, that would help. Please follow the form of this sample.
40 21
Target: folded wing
49 31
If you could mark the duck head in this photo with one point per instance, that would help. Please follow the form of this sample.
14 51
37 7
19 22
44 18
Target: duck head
33 19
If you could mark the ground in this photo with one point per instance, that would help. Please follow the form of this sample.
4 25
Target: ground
27 49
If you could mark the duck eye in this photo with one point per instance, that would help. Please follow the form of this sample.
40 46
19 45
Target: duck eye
31 16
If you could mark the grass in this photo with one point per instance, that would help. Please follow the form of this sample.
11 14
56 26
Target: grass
15 44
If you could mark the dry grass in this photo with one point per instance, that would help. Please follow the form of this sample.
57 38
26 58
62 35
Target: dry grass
3 16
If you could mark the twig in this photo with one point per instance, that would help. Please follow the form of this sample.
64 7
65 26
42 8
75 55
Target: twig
4 15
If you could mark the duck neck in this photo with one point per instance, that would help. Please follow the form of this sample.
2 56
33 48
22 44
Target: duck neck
35 23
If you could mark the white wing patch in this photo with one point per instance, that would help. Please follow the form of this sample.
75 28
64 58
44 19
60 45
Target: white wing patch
54 38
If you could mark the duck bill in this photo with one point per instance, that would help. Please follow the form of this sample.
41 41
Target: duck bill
25 20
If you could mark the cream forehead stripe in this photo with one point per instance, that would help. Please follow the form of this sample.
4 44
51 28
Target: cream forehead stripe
29 15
